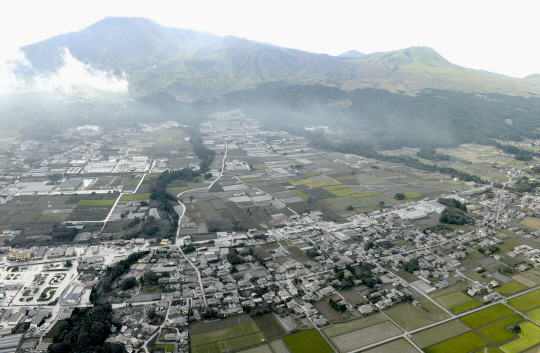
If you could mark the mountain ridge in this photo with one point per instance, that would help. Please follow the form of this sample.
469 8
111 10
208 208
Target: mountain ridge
193 65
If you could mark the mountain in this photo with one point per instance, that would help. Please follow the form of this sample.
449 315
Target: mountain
351 54
192 65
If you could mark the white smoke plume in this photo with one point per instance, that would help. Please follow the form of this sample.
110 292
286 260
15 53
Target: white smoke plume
72 75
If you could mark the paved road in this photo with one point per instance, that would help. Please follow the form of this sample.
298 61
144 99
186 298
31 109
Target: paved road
184 211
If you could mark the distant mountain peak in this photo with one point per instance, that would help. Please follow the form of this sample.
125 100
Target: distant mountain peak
411 56
351 54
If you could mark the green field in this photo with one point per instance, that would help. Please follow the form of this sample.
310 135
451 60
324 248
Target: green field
497 332
531 222
439 333
96 203
168 347
259 166
528 337
301 194
153 175
307 342
510 288
465 307
483 317
178 188
534 315
133 181
451 297
526 302
316 184
230 344
136 197
224 334
463 343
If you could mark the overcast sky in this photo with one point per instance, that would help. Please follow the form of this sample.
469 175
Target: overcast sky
491 35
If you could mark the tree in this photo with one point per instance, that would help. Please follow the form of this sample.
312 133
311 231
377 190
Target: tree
350 208
129 283
400 196
68 263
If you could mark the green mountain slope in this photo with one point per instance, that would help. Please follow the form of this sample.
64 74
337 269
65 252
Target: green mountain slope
193 65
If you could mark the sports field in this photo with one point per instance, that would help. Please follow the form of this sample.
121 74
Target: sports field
526 302
483 317
528 337
497 332
307 342
463 343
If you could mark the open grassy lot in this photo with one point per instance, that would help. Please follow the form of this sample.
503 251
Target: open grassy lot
510 288
497 332
352 296
231 344
439 333
270 326
464 307
133 181
298 254
409 317
466 342
483 317
400 345
353 325
307 342
136 197
96 203
328 312
528 337
366 336
450 298
526 302
411 194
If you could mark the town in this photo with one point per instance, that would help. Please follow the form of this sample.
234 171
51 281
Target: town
228 237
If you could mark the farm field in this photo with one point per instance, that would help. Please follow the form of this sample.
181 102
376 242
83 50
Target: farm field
483 317
353 325
530 278
526 302
450 298
352 296
528 337
510 288
259 349
205 326
366 336
434 310
531 222
400 345
464 307
139 197
231 344
497 332
96 203
466 342
307 342
270 326
224 334
409 317
439 333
